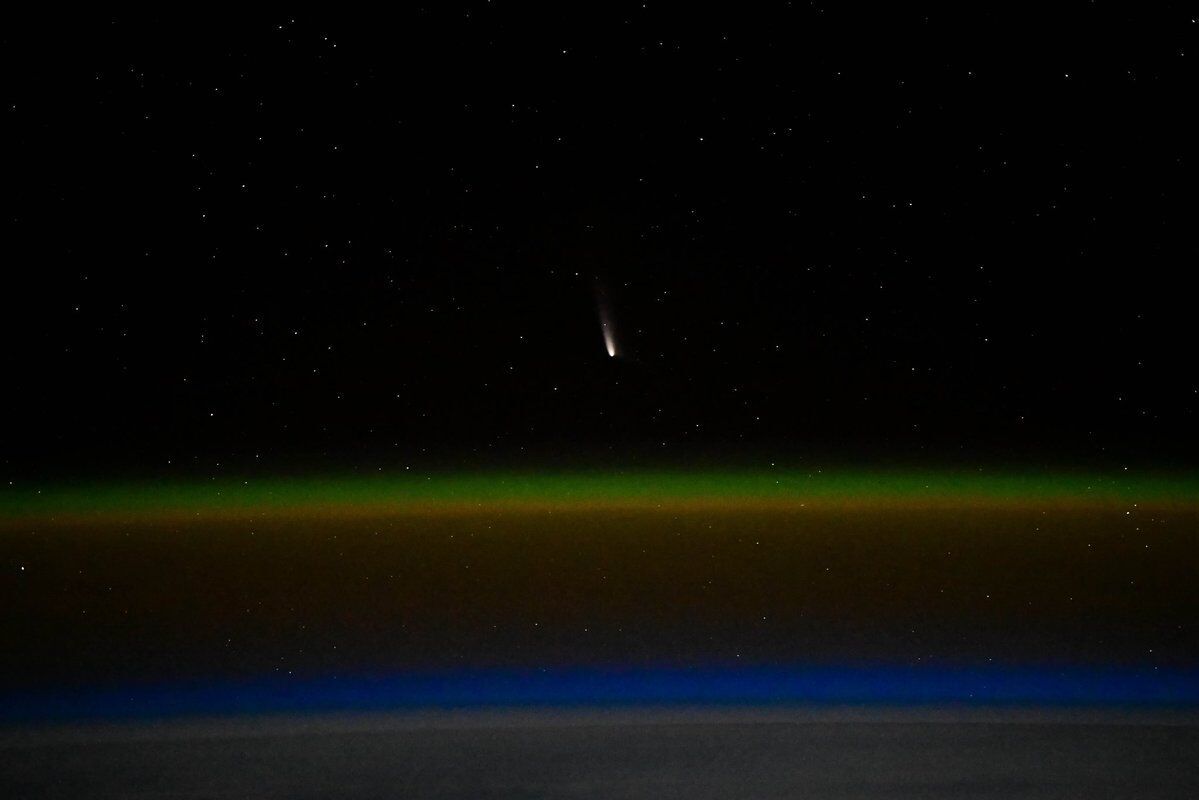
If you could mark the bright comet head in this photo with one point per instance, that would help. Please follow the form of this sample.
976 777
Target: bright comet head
609 342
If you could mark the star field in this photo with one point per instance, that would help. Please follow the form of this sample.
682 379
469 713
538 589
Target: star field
501 385
303 241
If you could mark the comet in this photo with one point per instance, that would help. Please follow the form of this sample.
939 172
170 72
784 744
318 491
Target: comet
609 339
607 324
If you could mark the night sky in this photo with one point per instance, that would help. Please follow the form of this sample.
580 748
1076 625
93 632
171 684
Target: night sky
494 337
284 244
629 399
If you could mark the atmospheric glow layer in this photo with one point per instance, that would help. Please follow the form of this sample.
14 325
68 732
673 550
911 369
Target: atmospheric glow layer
646 489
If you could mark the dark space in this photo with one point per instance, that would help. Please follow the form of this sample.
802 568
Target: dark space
296 242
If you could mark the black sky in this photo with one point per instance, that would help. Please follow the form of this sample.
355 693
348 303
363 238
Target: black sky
306 242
